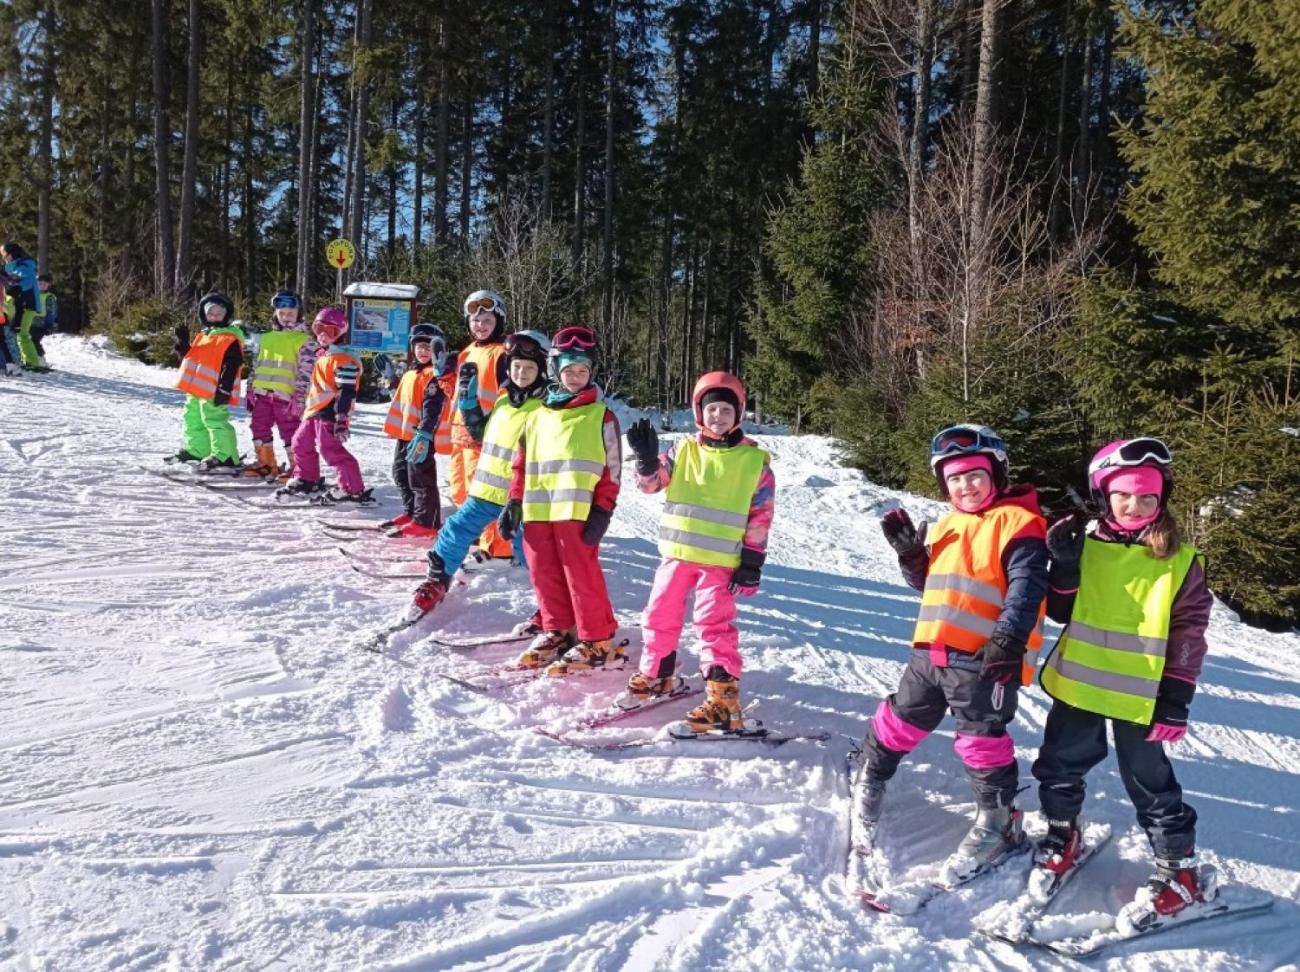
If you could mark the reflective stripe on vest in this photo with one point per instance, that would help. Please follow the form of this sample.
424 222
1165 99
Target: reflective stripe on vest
201 366
324 383
709 497
407 406
565 451
965 588
491 481
1111 656
277 361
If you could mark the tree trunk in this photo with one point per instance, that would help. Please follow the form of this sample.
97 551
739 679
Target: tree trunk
44 145
184 282
920 122
306 144
467 171
417 176
162 135
608 241
248 205
362 122
228 139
393 116
1103 102
548 114
1083 148
440 151
1060 194
985 117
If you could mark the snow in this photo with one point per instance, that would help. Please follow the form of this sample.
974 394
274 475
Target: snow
200 770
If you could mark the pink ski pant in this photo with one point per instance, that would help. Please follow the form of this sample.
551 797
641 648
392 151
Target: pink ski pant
715 616
269 412
316 433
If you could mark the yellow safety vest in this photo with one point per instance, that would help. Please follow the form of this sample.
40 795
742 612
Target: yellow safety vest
708 503
276 364
1111 655
565 458
491 480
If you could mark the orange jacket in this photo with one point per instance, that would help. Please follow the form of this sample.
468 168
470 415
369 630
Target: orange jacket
407 407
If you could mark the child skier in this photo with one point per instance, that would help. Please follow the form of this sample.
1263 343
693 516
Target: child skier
9 351
984 574
713 538
526 353
48 304
564 485
480 373
327 416
413 417
23 288
1135 604
278 380
209 376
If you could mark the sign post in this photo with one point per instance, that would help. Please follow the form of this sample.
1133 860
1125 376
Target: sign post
341 254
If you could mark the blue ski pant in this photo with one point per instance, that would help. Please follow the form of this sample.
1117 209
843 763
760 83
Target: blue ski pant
461 530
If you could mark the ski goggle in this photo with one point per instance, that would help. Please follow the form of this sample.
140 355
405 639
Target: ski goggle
957 441
481 304
516 343
1135 452
285 302
574 337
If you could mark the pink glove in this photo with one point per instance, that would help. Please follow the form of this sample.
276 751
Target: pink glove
341 429
1163 732
744 591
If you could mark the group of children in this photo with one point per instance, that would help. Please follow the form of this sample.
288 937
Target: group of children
30 312
536 460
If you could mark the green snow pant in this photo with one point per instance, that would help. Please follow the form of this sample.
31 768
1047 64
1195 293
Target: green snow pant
31 357
208 431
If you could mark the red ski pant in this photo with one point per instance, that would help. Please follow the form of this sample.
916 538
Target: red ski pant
567 579
715 616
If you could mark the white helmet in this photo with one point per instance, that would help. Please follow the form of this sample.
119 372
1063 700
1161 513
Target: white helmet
488 299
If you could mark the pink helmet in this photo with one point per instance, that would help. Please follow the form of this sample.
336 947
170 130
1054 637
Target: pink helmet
728 388
1122 454
330 318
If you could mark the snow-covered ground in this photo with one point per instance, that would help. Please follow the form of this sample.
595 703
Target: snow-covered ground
201 771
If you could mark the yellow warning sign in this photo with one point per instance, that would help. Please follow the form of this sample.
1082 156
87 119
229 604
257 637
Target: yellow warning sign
340 254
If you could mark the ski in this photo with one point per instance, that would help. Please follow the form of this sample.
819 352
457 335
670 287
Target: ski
768 738
353 527
469 644
385 575
624 707
212 487
1013 921
1233 901
913 894
378 641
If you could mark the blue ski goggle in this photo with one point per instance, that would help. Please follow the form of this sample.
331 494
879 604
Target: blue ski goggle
285 302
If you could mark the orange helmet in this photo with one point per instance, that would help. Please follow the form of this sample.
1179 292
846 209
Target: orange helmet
729 387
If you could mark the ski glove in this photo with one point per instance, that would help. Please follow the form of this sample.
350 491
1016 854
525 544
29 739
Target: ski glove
746 578
512 514
644 441
341 428
221 397
467 386
418 449
1173 702
900 533
1065 544
386 368
596 525
182 345
1001 658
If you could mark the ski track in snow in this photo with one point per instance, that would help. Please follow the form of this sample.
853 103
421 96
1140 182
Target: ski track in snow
198 769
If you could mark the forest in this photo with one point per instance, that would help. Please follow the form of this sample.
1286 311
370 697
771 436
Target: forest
1071 220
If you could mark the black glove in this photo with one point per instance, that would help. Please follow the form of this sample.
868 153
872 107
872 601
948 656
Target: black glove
1065 545
900 533
1173 701
1002 656
596 525
510 518
746 578
220 397
182 345
467 374
644 441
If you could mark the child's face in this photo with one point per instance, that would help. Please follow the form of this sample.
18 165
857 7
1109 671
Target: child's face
969 491
214 314
481 324
719 418
43 284
575 377
286 316
1132 511
523 372
423 352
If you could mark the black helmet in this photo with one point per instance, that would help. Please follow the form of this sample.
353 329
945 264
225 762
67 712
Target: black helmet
429 334
222 301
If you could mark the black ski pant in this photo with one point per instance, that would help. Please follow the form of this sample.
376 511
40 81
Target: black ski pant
1074 741
418 484
983 709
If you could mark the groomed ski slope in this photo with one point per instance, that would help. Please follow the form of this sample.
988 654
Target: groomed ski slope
199 771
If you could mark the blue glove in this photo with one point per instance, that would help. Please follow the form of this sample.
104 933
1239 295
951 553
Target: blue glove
467 386
418 450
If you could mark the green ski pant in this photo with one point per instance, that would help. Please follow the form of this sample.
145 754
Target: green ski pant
208 431
31 358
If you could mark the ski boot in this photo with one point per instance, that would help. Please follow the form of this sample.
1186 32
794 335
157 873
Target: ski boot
430 594
396 523
13 371
868 800
530 627
1178 884
641 688
182 457
720 710
264 464
1055 856
996 833
214 466
586 656
414 529
334 496
301 487
545 647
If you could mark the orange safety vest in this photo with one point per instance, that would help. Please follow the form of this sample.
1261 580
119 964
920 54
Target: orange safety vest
966 586
486 357
442 438
324 384
408 404
201 366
